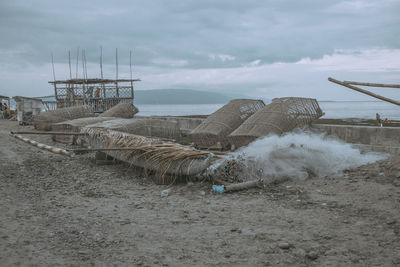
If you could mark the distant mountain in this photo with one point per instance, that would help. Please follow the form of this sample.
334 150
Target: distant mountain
179 96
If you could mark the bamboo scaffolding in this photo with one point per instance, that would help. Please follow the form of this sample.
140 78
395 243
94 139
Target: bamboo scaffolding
373 84
51 149
364 91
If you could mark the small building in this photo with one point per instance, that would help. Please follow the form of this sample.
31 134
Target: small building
27 107
100 94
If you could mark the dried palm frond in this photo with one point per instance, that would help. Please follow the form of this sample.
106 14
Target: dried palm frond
166 160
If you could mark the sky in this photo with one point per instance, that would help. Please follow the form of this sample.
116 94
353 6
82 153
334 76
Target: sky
252 48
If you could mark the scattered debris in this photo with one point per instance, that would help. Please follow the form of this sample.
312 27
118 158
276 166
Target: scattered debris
165 192
284 245
312 255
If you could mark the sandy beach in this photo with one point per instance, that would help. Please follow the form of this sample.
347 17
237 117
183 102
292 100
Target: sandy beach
57 211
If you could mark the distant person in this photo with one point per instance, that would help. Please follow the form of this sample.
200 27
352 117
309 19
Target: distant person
97 94
378 119
385 121
5 110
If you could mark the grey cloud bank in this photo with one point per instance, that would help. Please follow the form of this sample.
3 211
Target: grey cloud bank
258 48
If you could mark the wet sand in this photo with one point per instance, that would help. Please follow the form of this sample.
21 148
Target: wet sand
56 210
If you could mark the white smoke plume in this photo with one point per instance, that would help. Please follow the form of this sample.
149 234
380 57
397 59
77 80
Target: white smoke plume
296 156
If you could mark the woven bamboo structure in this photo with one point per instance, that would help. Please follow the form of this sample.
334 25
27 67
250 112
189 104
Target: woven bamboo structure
165 162
225 120
45 120
121 110
280 116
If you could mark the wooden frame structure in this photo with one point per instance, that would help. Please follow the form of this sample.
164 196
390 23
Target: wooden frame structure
101 94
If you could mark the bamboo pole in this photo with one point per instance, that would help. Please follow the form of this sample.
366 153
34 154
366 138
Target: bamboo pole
47 133
116 72
242 186
77 61
374 84
130 69
52 149
102 149
84 77
101 71
364 91
52 63
84 53
69 63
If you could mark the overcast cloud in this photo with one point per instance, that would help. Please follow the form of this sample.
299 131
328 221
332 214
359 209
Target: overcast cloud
256 48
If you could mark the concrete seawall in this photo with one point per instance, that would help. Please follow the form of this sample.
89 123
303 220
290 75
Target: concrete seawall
368 138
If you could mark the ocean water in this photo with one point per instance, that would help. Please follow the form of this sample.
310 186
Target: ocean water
333 110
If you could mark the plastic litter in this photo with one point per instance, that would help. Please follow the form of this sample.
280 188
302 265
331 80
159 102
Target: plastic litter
165 192
218 189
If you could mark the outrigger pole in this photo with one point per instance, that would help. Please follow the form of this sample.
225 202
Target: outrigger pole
349 85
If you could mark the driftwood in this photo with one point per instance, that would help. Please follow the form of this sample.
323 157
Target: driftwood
374 84
52 149
47 133
365 91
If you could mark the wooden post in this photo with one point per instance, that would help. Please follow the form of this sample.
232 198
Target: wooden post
364 91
